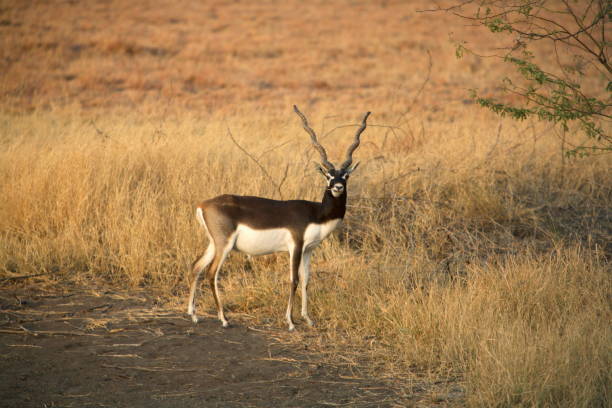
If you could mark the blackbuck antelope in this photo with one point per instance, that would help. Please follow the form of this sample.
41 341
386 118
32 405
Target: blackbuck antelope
259 226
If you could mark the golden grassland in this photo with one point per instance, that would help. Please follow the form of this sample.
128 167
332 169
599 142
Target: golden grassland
471 254
472 250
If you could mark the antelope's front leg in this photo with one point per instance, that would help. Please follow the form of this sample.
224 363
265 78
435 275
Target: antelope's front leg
295 258
305 276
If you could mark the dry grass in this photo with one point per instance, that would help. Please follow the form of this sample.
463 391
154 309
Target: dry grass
471 251
479 254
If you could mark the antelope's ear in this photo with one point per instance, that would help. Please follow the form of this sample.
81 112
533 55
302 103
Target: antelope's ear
352 168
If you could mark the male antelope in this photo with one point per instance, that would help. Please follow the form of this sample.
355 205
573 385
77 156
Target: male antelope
259 226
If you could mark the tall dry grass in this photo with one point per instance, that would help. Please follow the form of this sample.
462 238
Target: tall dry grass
470 250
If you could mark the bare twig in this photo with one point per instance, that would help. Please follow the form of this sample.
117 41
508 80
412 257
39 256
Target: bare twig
284 178
153 369
492 150
458 6
105 136
400 118
421 88
278 146
36 333
24 276
261 167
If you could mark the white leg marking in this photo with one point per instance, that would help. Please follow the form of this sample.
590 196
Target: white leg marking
305 276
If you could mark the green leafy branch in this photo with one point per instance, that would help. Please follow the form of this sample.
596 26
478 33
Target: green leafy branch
580 29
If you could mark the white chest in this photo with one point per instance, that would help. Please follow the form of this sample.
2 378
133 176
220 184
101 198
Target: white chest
315 233
262 242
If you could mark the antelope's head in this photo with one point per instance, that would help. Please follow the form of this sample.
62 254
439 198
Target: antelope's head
336 178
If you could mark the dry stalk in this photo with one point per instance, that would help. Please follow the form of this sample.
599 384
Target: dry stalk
261 167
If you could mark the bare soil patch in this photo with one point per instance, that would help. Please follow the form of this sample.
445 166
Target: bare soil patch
79 348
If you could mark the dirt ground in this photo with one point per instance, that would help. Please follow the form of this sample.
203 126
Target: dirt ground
84 348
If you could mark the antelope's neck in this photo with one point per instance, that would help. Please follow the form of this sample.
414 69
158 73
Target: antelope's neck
332 207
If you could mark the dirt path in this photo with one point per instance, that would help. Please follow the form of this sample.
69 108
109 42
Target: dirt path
76 349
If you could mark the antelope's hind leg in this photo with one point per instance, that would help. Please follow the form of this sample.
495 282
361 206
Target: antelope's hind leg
198 267
213 277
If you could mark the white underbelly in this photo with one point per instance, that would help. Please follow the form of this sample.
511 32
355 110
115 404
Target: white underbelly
262 242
